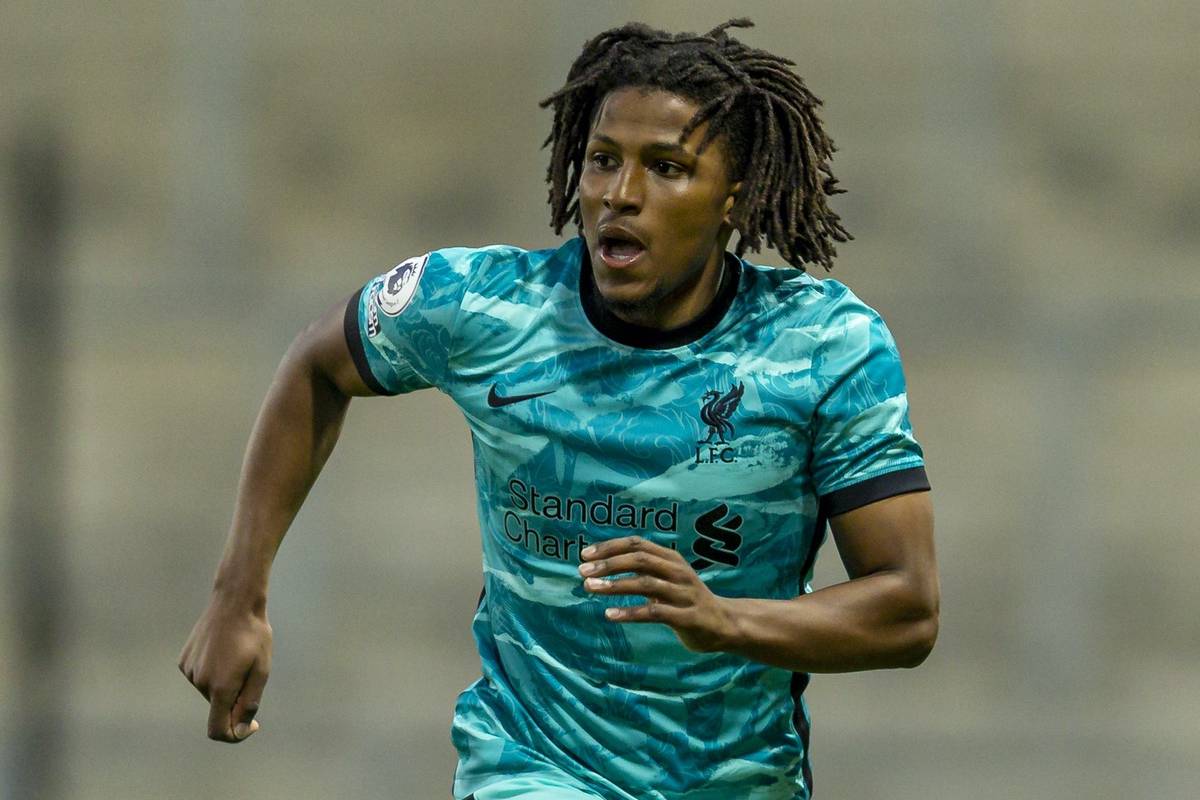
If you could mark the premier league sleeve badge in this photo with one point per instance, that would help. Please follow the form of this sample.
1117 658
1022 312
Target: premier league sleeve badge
400 284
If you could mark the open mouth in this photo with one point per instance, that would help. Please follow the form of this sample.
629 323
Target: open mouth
619 250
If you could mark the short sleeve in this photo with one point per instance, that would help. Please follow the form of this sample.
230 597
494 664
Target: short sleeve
863 444
400 325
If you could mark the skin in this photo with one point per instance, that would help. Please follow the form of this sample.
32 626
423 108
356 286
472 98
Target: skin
676 199
679 202
885 616
227 656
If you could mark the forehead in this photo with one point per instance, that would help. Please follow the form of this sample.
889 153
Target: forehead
637 115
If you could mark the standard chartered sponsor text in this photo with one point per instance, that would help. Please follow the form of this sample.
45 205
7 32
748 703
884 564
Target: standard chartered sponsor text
606 511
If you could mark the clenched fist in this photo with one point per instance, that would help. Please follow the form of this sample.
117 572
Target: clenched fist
227 658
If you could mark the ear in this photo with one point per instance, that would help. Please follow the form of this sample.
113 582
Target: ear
730 202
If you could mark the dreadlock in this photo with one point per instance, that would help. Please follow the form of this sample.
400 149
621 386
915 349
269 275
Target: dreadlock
768 117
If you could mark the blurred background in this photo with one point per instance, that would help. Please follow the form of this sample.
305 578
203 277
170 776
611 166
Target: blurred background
186 184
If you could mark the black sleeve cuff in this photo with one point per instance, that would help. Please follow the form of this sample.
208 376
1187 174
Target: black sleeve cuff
354 342
878 488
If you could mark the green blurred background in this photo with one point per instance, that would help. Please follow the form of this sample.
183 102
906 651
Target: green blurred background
207 177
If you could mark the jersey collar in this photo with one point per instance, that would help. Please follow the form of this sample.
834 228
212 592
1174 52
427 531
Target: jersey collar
632 335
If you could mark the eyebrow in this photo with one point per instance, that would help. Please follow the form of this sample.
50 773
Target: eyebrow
666 147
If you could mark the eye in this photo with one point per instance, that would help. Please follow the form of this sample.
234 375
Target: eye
668 169
601 160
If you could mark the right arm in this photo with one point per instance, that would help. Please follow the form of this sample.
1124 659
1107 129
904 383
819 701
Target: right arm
227 657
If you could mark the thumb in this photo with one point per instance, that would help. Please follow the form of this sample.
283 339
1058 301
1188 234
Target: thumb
242 716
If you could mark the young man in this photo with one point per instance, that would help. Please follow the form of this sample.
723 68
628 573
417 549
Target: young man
661 430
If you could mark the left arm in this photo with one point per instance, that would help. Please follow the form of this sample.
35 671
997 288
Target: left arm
885 616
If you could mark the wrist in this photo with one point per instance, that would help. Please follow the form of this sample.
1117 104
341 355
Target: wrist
732 636
239 593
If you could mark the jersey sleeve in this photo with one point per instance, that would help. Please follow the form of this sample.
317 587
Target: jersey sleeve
400 325
863 448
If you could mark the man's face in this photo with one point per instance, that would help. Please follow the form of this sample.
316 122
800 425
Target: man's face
655 214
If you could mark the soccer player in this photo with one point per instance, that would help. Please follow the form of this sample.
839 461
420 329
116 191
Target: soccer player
661 430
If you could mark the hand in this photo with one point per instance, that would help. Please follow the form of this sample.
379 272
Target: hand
228 658
674 593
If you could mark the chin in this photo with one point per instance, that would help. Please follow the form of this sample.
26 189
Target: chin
639 307
624 295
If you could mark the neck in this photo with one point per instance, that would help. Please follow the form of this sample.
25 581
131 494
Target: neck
680 307
627 329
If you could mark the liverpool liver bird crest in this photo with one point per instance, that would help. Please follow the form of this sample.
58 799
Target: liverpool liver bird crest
717 410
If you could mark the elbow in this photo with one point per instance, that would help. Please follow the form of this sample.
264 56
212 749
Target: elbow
920 629
924 611
922 638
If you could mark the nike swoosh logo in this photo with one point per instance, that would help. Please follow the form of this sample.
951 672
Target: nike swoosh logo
494 400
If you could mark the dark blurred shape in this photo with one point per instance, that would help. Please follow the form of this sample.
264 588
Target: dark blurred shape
36 478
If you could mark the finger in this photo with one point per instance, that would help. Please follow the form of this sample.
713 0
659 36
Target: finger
199 685
248 701
185 668
641 562
625 544
644 585
220 727
650 612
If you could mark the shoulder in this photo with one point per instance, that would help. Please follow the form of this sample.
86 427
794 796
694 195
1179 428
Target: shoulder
472 261
504 269
799 299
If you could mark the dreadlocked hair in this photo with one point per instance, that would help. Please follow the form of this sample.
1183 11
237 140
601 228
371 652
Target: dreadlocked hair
776 145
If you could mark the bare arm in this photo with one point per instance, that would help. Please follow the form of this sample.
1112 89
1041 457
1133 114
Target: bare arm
886 615
300 421
227 656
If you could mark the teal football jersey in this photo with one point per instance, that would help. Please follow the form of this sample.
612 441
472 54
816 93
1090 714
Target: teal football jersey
731 440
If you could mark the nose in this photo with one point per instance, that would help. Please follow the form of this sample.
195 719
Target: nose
624 191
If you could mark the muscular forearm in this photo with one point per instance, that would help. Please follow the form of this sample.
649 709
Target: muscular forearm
877 621
885 616
227 656
296 430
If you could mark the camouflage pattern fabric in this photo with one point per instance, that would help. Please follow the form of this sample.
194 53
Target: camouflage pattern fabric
727 448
